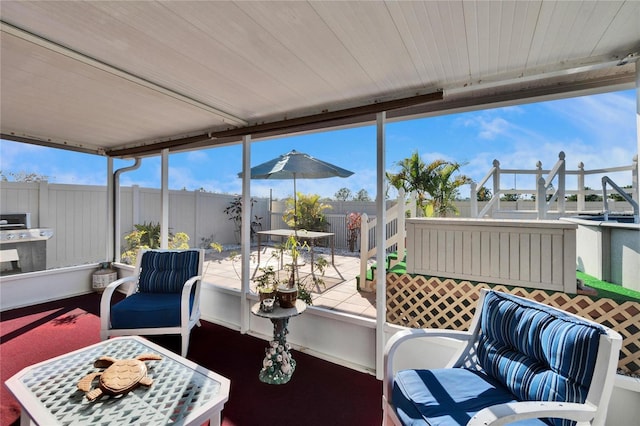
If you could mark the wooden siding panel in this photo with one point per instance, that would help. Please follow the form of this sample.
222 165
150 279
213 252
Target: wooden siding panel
504 253
525 256
524 253
546 259
478 257
494 252
458 259
514 256
557 273
450 251
433 250
535 260
441 252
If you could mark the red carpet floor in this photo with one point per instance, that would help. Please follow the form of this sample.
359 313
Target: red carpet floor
320 393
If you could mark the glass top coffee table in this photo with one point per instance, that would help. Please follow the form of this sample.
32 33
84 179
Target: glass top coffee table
182 392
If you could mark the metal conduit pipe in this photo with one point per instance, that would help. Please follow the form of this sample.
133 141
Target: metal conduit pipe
116 206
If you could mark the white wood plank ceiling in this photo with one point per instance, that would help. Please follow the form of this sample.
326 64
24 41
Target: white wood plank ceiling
133 77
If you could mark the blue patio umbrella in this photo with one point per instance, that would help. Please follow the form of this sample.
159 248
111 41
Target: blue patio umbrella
296 165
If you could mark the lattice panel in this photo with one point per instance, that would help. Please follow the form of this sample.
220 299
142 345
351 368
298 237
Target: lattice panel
429 302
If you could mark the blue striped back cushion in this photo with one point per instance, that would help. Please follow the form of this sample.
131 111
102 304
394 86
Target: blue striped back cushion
538 354
166 272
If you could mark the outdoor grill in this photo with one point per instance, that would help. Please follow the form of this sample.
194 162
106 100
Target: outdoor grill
22 248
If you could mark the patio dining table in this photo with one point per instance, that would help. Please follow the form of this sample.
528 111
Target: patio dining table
312 236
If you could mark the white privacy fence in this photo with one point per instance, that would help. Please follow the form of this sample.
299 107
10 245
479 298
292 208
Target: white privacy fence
78 216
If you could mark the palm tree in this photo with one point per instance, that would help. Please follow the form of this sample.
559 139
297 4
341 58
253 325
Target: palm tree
434 179
444 188
310 213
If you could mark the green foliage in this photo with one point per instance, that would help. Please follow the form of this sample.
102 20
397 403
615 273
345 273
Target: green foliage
613 195
234 211
310 213
362 195
22 177
435 185
483 194
147 235
444 188
588 197
294 248
510 197
267 282
343 194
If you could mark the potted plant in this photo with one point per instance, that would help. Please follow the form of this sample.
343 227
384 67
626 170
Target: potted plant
267 283
294 287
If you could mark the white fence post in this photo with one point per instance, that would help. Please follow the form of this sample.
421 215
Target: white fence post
541 199
496 186
473 199
562 183
581 190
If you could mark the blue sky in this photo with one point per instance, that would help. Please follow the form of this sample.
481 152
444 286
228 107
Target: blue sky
598 130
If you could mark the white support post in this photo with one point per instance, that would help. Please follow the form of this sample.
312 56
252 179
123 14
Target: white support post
636 194
381 238
164 200
496 187
112 250
245 234
364 248
401 227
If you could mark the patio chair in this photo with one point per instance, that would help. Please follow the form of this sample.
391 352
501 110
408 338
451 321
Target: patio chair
163 297
520 361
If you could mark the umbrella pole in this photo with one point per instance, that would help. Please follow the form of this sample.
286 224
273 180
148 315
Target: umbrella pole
294 274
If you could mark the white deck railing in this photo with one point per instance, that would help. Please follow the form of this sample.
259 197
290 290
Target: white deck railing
547 190
395 223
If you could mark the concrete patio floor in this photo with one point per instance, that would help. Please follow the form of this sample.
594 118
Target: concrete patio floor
339 293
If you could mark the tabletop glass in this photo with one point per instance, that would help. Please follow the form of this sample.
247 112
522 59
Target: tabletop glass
177 390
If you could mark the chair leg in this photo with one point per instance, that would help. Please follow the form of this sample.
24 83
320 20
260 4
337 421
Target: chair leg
185 344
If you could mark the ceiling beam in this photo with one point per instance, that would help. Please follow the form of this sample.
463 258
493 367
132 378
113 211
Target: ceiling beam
281 126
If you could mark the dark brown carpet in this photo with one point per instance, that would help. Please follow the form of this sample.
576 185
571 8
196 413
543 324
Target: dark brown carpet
320 392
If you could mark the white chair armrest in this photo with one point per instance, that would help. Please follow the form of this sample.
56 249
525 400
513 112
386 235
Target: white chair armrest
105 300
402 336
501 414
184 299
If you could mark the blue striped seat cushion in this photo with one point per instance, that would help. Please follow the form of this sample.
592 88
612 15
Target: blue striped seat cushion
166 272
537 353
447 396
